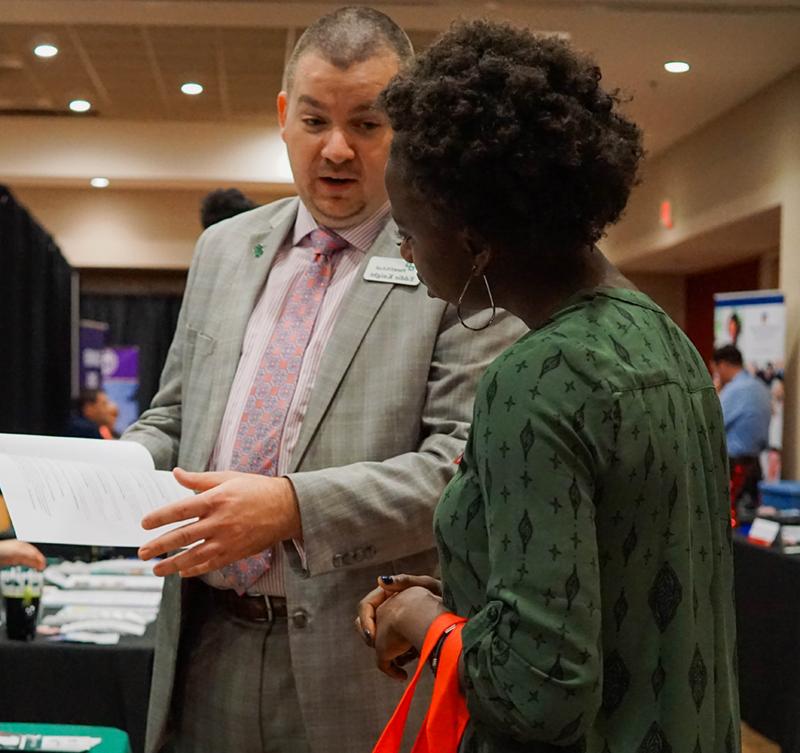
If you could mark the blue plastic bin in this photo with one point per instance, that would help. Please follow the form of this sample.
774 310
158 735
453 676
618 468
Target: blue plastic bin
783 495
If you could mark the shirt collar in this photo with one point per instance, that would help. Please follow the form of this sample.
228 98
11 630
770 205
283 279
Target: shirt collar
360 236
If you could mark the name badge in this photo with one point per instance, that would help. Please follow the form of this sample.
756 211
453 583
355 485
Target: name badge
393 271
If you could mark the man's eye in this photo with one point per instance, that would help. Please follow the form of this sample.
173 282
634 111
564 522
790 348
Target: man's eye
312 122
369 125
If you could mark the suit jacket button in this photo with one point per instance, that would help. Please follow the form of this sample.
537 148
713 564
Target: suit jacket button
300 619
338 560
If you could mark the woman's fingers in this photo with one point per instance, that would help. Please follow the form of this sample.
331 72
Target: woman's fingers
365 621
397 583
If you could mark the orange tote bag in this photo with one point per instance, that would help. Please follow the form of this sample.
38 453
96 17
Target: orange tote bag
447 716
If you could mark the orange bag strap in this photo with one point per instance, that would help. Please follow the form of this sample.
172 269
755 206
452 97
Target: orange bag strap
392 735
447 715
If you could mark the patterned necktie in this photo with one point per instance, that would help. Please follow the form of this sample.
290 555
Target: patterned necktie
258 437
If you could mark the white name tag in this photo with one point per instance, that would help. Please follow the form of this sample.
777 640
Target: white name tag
394 271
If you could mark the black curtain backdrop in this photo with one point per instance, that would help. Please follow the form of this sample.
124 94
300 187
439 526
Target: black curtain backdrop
146 321
35 325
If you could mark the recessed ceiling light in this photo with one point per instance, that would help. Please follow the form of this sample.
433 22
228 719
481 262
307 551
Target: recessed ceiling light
45 50
677 66
80 105
191 88
99 182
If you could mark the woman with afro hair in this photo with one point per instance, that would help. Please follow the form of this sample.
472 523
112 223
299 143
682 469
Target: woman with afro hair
586 535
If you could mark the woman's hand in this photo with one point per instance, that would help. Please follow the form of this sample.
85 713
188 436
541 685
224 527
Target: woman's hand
15 552
388 586
401 626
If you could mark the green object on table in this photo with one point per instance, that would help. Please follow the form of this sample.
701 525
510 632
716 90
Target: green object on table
113 740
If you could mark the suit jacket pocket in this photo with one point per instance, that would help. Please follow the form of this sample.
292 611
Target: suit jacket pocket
199 371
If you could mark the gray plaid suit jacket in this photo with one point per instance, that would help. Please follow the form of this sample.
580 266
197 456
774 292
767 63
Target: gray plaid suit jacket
389 413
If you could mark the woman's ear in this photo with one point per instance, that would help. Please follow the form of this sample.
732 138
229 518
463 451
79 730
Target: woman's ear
480 252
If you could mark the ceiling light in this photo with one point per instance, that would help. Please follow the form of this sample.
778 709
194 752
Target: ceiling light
45 50
191 88
80 105
677 66
99 182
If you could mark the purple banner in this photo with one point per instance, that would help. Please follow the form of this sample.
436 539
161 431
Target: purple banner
121 383
92 342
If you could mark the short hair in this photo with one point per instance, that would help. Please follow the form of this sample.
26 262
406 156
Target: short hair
509 133
223 203
87 397
728 354
350 35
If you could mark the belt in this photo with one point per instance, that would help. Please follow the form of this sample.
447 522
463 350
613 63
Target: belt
250 608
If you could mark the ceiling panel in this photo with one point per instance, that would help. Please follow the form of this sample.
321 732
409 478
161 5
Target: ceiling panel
131 66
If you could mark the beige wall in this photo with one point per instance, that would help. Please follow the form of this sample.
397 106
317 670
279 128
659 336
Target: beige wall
668 291
742 164
131 228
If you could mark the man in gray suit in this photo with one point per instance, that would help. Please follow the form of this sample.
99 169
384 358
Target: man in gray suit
328 397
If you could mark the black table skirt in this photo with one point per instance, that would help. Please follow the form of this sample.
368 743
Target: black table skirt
69 683
768 620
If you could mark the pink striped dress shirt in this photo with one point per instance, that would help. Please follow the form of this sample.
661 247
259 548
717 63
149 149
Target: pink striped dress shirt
288 265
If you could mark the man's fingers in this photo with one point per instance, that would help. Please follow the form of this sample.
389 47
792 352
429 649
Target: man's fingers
179 563
175 512
180 538
397 583
200 482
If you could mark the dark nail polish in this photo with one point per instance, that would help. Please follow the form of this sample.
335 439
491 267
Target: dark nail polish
368 636
387 579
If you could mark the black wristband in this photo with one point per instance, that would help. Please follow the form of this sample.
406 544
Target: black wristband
433 659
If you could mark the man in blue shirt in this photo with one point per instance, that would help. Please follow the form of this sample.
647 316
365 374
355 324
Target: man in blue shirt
747 411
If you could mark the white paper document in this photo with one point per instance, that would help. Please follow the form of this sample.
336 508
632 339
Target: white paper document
82 491
55 597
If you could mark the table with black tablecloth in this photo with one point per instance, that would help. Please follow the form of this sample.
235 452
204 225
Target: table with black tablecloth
72 683
768 619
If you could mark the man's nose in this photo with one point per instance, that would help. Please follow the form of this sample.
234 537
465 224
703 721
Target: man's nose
405 252
337 149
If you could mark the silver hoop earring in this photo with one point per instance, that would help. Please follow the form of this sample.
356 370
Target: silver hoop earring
491 303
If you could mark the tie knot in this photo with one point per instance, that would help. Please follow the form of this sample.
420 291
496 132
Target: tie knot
324 241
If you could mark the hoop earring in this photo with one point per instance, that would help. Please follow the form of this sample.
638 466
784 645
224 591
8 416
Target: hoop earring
491 302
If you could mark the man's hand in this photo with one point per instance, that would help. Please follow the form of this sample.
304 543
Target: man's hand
15 552
238 515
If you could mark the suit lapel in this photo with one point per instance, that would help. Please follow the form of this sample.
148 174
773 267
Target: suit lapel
254 263
363 301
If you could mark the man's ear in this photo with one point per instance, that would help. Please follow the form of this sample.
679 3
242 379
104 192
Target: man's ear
283 107
480 251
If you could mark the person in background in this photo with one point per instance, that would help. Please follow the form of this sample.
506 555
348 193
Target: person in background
107 430
223 203
747 409
13 552
93 411
734 328
328 404
586 536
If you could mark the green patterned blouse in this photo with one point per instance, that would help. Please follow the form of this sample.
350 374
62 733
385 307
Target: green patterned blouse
587 538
